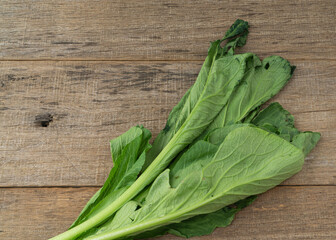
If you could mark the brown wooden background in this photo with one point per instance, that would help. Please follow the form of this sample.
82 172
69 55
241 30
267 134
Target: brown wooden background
75 74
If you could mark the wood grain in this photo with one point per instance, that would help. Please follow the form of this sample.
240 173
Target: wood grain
282 213
115 64
168 29
56 118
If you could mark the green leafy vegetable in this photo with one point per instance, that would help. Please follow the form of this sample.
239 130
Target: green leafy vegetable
215 154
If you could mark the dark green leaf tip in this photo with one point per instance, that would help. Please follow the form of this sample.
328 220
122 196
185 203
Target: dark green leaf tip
238 27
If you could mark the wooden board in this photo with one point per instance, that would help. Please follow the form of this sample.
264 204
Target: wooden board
113 64
89 103
282 213
162 29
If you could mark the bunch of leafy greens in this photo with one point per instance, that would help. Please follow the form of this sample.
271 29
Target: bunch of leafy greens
217 151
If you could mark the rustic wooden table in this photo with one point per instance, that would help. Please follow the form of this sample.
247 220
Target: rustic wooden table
75 74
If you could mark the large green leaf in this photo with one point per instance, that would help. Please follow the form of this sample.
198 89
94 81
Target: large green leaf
225 75
249 161
274 119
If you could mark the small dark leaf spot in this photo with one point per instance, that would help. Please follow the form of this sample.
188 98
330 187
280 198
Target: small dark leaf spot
267 66
44 119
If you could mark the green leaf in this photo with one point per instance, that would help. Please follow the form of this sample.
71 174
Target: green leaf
274 115
218 135
276 119
192 160
225 75
159 189
205 224
251 115
261 82
182 110
123 217
238 27
231 45
306 141
128 152
200 225
237 35
199 155
249 161
129 160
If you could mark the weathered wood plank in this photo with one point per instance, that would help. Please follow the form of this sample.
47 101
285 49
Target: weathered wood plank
85 104
162 29
282 213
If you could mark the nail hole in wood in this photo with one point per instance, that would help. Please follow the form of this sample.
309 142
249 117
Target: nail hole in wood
44 119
